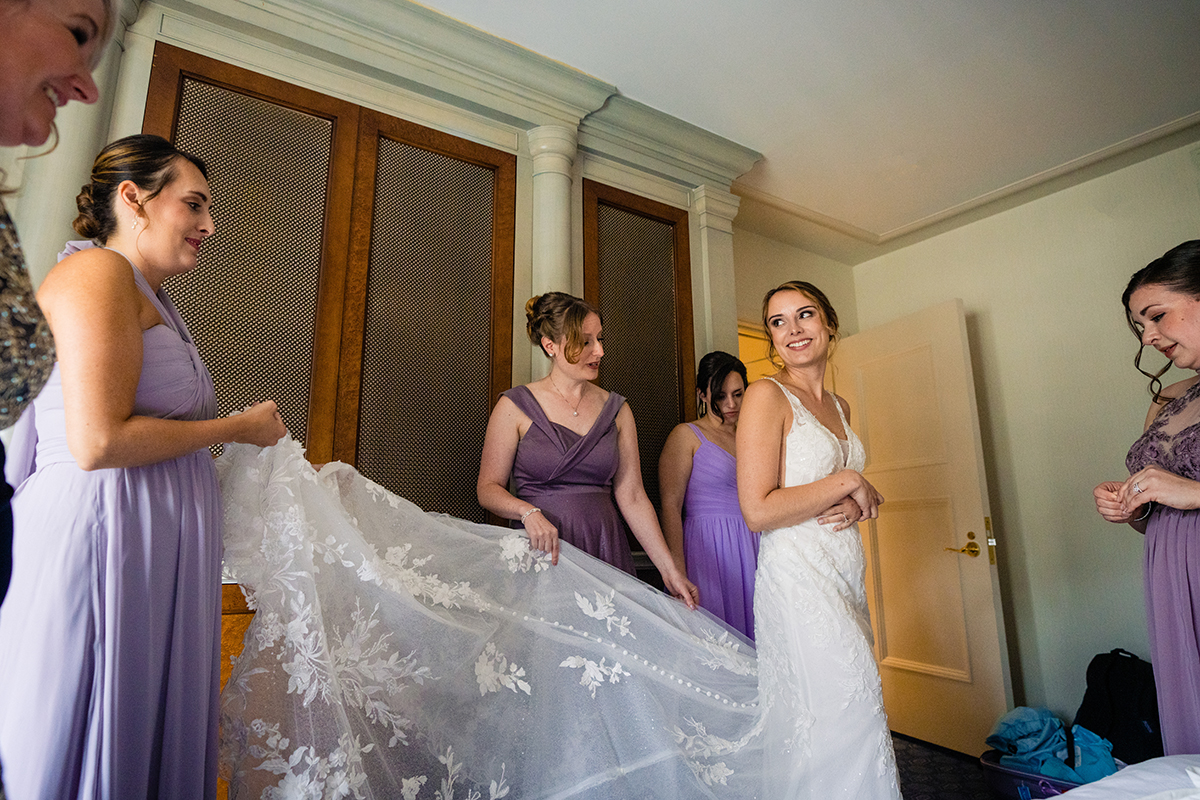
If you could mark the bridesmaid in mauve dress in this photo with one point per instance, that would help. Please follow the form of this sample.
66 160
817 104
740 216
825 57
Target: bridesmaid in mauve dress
569 477
110 634
697 476
1162 494
571 449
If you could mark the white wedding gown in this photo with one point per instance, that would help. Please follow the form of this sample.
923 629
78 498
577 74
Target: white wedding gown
399 654
825 730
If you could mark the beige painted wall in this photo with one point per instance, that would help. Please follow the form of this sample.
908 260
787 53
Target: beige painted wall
761 264
1060 402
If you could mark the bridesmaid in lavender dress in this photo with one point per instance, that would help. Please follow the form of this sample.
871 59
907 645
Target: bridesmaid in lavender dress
110 634
1162 494
701 519
571 449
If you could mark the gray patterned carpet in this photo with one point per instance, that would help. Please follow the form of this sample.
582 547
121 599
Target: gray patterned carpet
928 772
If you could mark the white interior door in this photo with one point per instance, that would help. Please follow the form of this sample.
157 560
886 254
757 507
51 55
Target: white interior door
939 629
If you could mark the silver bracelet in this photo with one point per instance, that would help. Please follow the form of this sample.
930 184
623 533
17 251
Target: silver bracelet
1149 509
527 513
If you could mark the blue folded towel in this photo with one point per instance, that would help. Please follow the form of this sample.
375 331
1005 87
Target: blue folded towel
1034 740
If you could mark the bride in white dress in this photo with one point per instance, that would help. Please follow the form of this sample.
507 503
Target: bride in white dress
825 732
400 654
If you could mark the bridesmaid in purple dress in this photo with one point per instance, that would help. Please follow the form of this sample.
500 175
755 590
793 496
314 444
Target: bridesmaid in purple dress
697 476
110 634
570 449
1162 494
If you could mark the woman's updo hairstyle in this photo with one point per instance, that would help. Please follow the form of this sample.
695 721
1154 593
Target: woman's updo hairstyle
147 160
711 374
559 317
1178 270
828 314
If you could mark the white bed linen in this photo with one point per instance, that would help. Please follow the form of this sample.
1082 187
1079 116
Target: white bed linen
1167 778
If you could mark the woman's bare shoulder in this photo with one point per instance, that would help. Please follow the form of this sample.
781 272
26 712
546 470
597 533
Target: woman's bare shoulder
1177 389
87 272
1172 392
764 391
682 436
841 401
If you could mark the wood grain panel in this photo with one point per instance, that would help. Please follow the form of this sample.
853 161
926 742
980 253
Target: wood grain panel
171 66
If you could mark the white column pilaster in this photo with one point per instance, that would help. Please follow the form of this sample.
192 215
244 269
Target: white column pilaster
553 149
712 274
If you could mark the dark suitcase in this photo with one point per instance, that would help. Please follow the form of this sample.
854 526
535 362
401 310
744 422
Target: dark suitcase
1017 784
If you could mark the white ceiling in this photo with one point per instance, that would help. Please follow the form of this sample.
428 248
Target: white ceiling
878 119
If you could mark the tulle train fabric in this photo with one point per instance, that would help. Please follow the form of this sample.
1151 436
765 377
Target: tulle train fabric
400 654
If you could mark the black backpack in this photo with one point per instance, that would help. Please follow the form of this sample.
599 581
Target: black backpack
1121 705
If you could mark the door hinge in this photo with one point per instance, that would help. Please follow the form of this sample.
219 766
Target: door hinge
991 539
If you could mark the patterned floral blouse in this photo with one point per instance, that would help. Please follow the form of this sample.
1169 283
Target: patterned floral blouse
1173 439
26 347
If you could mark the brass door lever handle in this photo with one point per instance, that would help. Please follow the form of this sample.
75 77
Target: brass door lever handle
971 549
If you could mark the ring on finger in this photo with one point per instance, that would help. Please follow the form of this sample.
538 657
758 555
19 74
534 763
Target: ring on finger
1137 489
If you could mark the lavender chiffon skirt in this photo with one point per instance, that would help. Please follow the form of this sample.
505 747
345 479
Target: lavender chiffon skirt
1173 618
722 556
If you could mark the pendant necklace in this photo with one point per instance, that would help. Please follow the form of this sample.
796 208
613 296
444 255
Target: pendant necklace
575 408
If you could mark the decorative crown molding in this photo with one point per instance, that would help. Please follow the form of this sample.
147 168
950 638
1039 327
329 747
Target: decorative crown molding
421 50
636 134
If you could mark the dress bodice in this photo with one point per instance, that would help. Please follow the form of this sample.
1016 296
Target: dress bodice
554 458
570 478
173 384
712 489
1173 439
812 450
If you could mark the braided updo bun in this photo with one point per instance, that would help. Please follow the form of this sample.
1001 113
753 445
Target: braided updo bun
147 160
86 224
559 317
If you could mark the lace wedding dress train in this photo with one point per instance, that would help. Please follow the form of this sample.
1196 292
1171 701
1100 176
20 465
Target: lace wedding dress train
400 654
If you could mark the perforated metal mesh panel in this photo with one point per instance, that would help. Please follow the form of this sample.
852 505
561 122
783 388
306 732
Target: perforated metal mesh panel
637 298
251 303
427 350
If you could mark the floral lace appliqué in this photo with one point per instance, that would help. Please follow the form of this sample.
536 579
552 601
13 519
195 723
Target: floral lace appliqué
595 674
494 672
519 556
605 611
